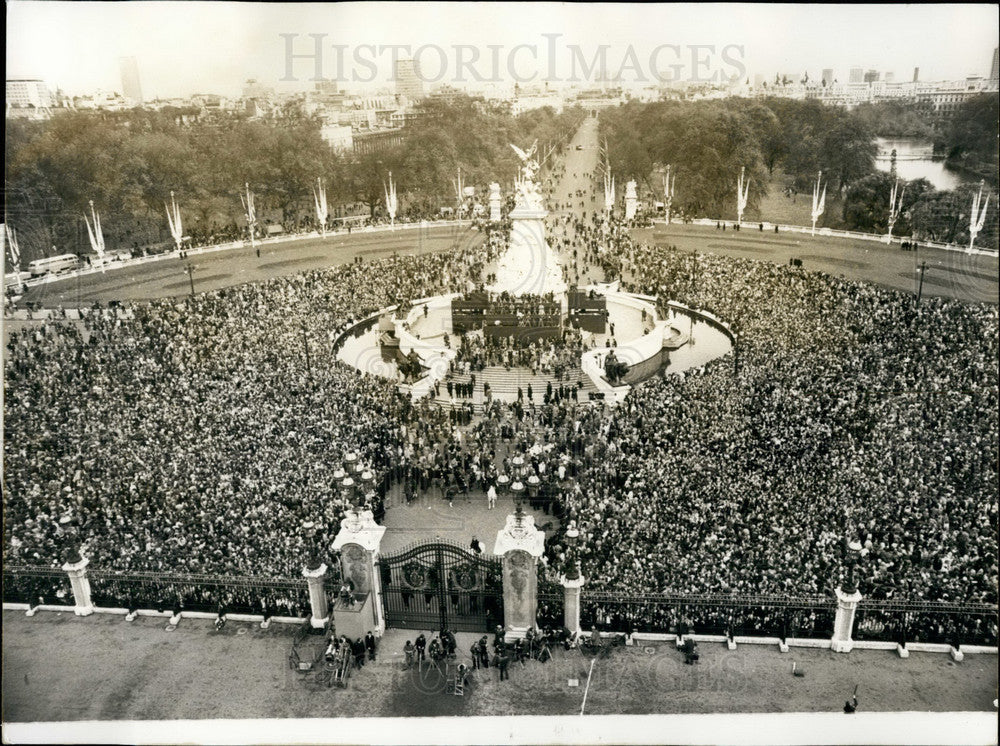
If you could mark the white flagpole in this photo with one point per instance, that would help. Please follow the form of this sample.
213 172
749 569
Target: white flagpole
741 196
978 218
319 197
176 227
95 234
391 203
818 202
894 208
668 192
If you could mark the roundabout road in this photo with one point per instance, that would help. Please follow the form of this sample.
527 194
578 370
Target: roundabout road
168 277
951 274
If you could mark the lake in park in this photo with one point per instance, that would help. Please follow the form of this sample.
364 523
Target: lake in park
915 160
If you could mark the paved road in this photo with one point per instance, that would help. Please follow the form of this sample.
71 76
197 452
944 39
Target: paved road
951 274
168 278
579 163
57 666
948 273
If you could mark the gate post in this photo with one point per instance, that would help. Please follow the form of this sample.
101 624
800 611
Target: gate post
320 607
843 625
571 602
76 568
848 598
358 543
520 544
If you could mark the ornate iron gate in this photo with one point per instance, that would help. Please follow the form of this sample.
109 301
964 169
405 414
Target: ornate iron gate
441 585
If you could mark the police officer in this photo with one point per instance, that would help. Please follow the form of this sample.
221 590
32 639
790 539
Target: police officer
484 654
503 661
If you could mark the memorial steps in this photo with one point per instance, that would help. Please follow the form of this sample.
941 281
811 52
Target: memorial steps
505 382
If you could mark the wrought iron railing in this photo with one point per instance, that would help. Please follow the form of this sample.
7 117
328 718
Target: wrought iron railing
36 586
195 592
928 621
720 614
551 599
676 613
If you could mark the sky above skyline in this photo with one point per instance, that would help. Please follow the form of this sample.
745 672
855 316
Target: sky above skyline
189 47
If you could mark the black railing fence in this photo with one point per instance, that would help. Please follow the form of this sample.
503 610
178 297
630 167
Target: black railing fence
36 586
721 614
551 602
190 592
759 616
930 621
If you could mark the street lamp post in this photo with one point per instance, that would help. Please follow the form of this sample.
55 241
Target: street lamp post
920 285
190 273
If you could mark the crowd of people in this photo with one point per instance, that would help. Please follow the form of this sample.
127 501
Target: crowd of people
198 437
556 356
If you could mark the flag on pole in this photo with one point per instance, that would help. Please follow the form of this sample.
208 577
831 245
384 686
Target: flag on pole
174 219
94 232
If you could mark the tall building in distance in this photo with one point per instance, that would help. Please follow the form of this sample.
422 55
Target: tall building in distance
827 76
28 93
408 81
916 74
995 65
857 75
131 88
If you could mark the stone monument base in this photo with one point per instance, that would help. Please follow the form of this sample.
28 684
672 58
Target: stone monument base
354 621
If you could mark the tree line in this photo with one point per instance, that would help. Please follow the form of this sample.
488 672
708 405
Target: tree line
128 163
707 142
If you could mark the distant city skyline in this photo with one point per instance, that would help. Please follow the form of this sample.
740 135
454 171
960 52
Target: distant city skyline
188 48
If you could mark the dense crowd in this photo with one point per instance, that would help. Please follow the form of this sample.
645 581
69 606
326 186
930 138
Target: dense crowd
554 356
196 437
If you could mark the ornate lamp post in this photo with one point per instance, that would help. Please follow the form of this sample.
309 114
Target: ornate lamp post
347 489
517 490
366 482
351 464
534 485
